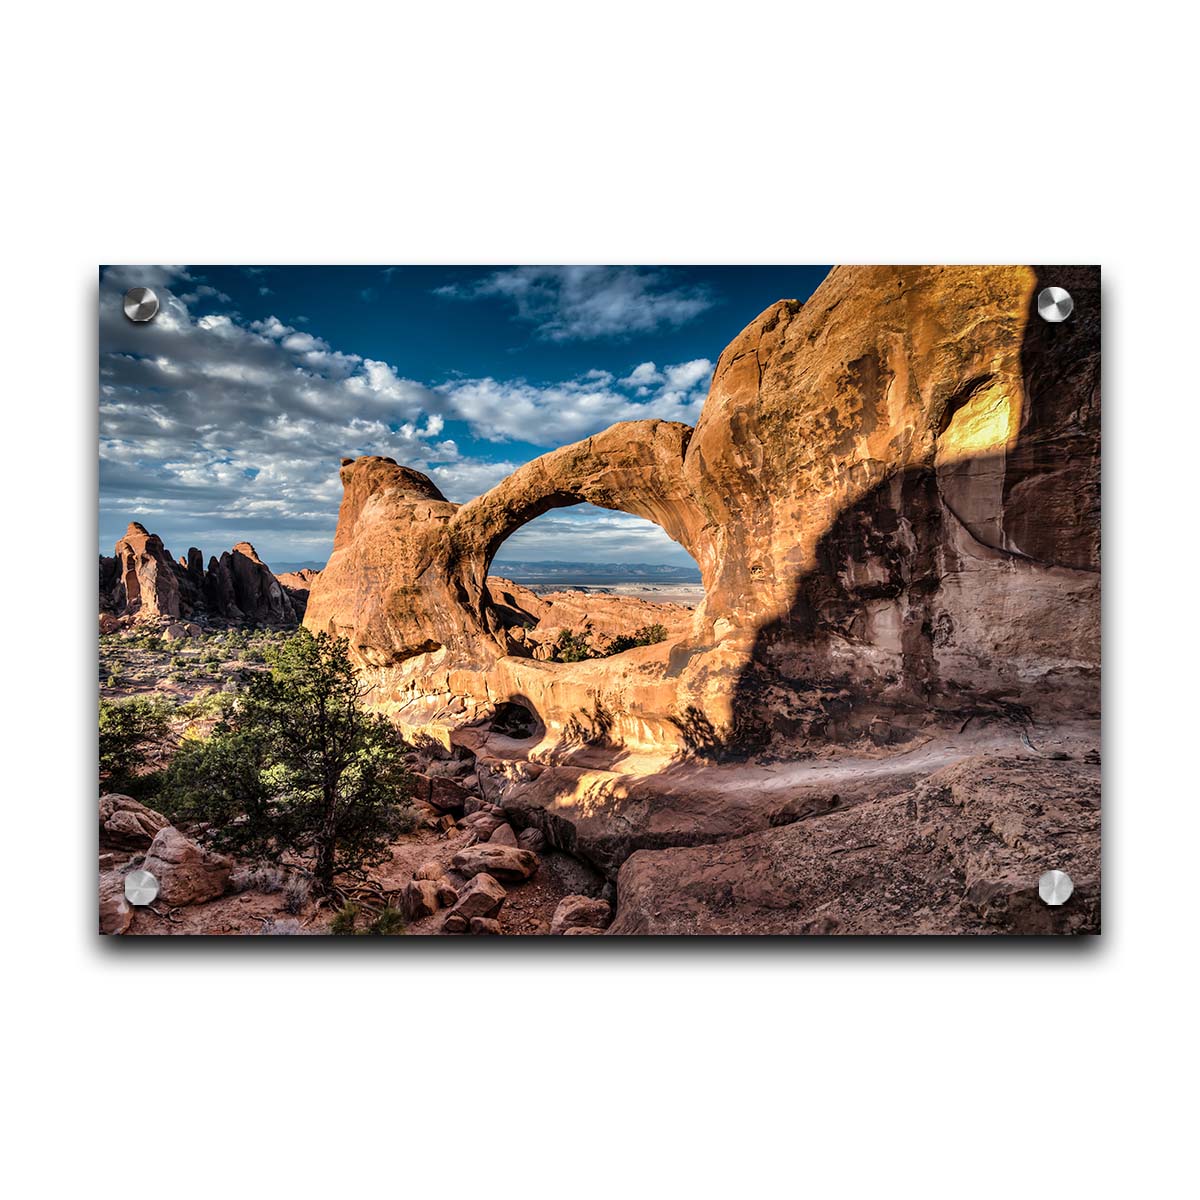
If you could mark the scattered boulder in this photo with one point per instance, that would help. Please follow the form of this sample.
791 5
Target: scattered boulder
427 815
448 768
482 897
127 824
420 899
181 630
531 839
504 862
486 926
482 824
440 793
116 913
446 795
447 893
503 835
580 912
186 872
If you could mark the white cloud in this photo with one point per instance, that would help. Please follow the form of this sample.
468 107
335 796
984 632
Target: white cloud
555 414
214 429
583 303
642 377
464 480
211 424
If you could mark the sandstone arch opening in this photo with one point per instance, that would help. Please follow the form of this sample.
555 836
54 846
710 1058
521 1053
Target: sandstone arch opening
577 581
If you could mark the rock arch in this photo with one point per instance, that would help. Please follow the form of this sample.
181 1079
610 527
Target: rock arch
408 573
892 494
634 467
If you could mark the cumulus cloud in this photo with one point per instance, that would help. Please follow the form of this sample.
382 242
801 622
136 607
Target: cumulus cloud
583 303
214 428
554 414
210 426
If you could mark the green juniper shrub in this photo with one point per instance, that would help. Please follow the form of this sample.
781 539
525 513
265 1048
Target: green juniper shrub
647 635
345 920
298 766
129 729
573 646
389 923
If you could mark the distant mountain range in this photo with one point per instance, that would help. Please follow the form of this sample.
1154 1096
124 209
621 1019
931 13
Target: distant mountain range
592 572
577 572
284 567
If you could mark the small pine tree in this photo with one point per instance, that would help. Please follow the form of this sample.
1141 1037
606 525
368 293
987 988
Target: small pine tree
298 766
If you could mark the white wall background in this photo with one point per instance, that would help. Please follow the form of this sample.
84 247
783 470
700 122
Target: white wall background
629 132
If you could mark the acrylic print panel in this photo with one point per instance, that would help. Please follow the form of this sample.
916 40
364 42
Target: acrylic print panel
599 600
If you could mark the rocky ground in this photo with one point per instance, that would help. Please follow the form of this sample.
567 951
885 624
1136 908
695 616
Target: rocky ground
464 870
180 661
946 836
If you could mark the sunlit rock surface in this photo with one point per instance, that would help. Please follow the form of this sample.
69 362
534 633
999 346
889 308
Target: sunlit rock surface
893 497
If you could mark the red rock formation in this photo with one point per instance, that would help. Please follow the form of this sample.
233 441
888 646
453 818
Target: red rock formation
959 853
892 494
142 581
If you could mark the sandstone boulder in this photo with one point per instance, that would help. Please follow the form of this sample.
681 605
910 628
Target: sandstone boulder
485 927
186 872
481 823
446 795
419 899
116 913
127 824
573 911
503 835
502 862
483 896
531 839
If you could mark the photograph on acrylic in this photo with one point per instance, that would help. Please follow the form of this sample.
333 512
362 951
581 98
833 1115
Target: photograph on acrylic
544 601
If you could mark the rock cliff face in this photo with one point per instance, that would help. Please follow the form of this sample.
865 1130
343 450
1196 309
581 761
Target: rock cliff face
893 497
141 581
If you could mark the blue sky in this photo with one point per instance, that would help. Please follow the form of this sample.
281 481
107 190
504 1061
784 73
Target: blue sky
224 419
